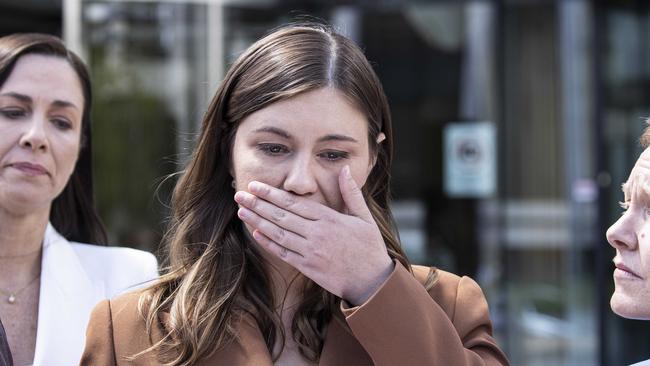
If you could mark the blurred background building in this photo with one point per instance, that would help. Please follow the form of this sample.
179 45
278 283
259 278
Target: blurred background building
515 124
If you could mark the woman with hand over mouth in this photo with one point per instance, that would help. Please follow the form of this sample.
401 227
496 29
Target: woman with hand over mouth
282 247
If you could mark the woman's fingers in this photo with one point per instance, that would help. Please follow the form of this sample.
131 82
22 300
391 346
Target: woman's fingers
279 216
343 253
300 206
287 255
353 197
273 232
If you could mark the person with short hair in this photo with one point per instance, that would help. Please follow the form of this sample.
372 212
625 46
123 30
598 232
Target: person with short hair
630 236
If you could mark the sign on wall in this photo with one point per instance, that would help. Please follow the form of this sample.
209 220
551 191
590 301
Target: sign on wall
470 159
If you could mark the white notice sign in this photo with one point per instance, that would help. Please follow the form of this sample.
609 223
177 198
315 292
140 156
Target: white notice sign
470 159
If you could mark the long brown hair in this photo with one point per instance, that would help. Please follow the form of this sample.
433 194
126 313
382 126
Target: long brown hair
73 212
215 273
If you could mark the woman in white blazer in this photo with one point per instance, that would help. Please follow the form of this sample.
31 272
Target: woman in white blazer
49 280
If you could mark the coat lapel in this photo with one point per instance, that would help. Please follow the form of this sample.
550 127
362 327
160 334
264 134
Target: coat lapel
246 349
249 348
341 347
67 297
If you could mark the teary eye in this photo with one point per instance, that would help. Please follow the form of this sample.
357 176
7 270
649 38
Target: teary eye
13 113
273 149
334 155
62 123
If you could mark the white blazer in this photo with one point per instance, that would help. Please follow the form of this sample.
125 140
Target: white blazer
75 277
642 363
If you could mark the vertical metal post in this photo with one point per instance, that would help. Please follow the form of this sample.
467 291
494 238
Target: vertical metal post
215 39
72 26
576 70
477 79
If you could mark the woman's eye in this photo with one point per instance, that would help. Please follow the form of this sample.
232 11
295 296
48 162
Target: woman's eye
62 124
273 149
334 155
13 113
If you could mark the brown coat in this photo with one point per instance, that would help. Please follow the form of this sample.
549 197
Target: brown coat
401 324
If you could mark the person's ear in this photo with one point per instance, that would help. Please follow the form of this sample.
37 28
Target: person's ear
380 138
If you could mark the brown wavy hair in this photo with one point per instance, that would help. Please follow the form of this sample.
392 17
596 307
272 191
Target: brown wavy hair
73 212
216 275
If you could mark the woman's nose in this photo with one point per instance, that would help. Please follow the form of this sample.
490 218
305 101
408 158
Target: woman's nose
301 177
622 234
35 136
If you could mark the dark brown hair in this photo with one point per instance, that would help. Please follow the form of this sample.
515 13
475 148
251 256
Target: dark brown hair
216 275
73 212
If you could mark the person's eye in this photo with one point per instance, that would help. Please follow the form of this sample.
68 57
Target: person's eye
61 123
13 113
273 149
334 155
646 212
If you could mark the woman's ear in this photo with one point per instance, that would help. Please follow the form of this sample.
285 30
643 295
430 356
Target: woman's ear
380 138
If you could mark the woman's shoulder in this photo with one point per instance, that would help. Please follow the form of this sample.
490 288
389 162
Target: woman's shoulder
112 252
128 300
103 261
115 258
117 328
450 290
441 279
118 268
123 313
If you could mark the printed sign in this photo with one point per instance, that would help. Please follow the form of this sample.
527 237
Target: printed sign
470 159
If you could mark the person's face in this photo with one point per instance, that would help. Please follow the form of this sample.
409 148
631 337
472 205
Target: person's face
41 107
301 144
630 236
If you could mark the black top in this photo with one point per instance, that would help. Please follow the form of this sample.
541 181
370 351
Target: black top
5 353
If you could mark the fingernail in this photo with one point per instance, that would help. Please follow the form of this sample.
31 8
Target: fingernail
254 186
242 213
257 235
347 172
239 197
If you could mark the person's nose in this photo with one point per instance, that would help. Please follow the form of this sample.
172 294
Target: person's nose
622 234
301 177
35 135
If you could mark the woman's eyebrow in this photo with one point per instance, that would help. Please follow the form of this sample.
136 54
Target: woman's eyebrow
20 97
282 133
637 188
336 137
274 130
27 99
64 104
643 188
